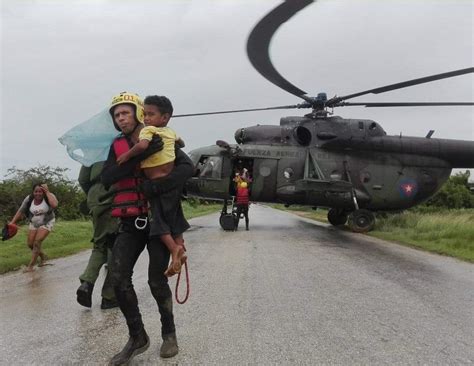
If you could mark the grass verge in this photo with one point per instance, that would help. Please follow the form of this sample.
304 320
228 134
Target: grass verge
193 209
447 232
69 237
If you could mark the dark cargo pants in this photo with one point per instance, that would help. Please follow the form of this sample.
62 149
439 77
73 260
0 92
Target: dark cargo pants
242 209
129 244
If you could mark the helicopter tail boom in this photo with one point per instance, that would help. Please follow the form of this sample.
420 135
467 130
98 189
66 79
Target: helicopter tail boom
456 153
459 153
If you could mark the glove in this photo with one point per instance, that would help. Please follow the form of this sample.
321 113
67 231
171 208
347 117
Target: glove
156 144
149 188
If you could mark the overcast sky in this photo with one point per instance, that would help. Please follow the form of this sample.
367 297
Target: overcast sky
61 63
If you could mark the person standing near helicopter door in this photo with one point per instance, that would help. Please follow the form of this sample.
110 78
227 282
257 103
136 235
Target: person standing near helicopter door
242 204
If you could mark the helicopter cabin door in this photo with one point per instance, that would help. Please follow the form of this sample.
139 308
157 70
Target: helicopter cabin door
264 180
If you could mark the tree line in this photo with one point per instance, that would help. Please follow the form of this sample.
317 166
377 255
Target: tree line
18 183
455 194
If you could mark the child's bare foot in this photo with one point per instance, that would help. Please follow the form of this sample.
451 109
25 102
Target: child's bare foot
180 260
177 260
170 271
28 269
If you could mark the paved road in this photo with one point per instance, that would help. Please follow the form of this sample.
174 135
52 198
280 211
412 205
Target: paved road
287 292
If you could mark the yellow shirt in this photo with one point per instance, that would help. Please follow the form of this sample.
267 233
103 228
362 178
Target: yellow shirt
164 156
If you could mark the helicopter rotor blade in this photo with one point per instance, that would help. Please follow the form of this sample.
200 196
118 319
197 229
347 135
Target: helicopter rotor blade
404 104
427 79
259 39
302 105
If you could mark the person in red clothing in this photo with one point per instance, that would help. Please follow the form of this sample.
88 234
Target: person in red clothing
242 204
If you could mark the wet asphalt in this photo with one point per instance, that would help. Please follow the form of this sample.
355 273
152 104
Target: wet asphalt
288 291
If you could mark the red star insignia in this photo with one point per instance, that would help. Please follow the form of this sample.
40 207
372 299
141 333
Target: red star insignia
408 188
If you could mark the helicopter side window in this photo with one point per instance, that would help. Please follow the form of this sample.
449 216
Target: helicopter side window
199 166
210 167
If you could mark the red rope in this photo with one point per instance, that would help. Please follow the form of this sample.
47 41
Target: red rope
187 285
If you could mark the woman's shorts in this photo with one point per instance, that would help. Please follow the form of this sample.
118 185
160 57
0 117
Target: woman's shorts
48 226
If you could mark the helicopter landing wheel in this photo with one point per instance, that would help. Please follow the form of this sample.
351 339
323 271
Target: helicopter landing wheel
361 221
337 217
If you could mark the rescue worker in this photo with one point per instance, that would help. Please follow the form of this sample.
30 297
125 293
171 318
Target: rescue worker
242 204
133 234
105 227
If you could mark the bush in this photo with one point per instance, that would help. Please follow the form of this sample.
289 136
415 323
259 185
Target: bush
454 194
19 184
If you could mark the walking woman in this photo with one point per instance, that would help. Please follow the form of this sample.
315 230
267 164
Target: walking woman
38 209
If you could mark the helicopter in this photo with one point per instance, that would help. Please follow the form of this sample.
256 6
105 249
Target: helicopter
350 166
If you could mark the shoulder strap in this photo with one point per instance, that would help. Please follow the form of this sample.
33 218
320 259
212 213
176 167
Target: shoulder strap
26 208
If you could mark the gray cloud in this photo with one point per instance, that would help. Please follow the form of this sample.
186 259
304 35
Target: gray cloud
63 61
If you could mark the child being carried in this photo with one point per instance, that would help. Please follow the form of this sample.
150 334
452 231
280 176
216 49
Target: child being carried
168 221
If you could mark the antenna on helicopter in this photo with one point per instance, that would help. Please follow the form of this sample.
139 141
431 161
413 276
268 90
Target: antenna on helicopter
429 134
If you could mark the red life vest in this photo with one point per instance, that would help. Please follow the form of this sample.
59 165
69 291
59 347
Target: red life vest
242 197
128 201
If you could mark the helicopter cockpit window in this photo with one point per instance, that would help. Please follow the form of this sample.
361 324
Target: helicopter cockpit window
210 167
302 135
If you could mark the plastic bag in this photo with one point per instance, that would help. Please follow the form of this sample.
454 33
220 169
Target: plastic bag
89 141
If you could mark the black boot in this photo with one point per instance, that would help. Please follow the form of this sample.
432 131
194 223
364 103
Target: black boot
108 304
135 345
169 348
84 294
